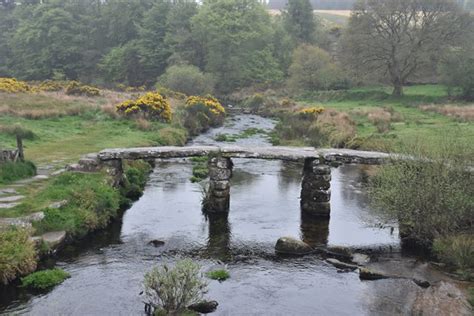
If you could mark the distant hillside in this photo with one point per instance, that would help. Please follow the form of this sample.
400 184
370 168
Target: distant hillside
344 4
317 4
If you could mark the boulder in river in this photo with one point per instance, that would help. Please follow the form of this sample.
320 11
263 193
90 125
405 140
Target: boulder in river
204 307
292 246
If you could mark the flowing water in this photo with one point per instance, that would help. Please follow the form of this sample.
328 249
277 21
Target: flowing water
107 268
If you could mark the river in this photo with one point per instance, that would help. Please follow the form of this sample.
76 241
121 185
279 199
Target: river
107 268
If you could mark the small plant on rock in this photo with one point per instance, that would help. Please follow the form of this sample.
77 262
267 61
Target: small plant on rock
173 289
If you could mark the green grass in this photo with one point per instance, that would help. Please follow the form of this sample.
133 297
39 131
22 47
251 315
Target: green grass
414 124
13 171
67 127
200 169
45 279
219 275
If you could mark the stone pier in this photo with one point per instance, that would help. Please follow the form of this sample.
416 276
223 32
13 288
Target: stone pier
315 188
115 169
218 195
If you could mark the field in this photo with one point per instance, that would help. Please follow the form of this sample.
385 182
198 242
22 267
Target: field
67 127
339 17
380 122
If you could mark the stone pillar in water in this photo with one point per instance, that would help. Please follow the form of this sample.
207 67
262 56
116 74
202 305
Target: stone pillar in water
217 198
315 188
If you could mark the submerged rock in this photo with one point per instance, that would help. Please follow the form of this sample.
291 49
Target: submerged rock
156 243
341 265
204 307
292 246
360 258
366 274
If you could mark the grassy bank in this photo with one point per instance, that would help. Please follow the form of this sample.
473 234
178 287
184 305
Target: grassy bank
88 202
368 118
66 127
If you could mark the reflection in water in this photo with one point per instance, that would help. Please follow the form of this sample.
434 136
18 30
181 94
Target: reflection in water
107 275
314 230
218 242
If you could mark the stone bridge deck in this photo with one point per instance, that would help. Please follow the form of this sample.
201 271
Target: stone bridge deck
270 152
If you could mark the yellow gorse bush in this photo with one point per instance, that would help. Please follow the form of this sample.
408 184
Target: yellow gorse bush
310 113
151 105
11 85
48 85
77 88
203 113
209 102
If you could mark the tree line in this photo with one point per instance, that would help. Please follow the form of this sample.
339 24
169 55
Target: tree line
224 45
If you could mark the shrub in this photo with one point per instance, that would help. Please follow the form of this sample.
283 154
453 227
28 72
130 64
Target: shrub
45 279
173 289
77 88
187 79
17 130
219 275
336 128
203 113
312 69
431 195
13 171
49 85
152 106
17 254
11 85
456 251
136 175
310 113
457 72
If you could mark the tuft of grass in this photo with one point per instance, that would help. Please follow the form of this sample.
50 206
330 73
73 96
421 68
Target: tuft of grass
458 252
219 275
17 254
200 169
13 171
45 279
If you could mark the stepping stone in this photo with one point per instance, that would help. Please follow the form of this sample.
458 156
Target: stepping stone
54 239
9 199
58 204
8 205
8 191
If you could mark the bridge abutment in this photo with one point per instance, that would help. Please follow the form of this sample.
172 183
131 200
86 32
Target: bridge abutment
217 198
316 188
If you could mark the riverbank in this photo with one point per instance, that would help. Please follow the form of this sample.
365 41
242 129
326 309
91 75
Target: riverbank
363 118
67 208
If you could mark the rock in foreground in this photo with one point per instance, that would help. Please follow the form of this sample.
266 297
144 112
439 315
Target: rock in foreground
292 246
204 307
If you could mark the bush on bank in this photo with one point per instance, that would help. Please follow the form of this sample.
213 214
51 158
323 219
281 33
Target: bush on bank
17 254
151 105
432 198
203 113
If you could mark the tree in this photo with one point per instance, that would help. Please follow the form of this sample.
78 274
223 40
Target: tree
121 65
394 39
457 71
299 20
154 52
233 33
312 69
188 80
45 42
179 38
